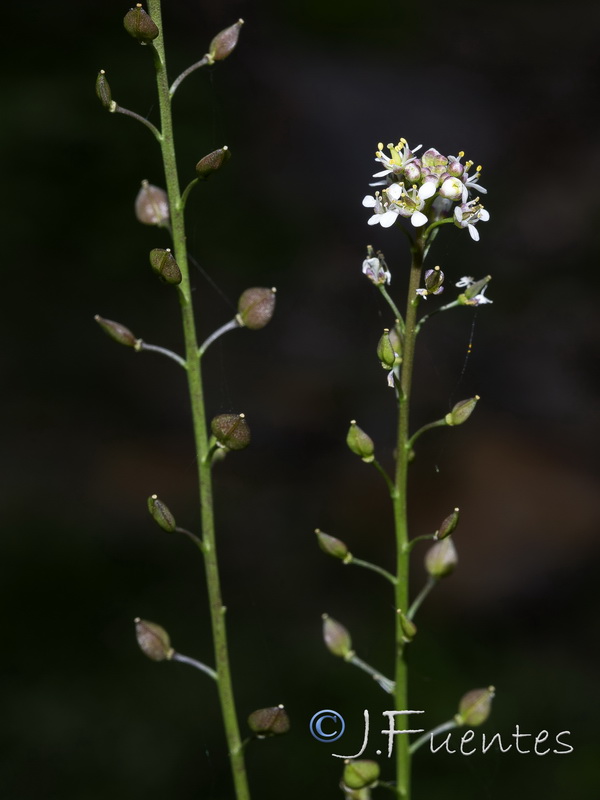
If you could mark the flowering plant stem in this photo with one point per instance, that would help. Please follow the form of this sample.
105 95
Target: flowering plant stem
194 376
403 756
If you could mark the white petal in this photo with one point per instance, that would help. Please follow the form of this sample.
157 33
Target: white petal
465 194
466 280
382 173
457 213
474 232
374 219
418 219
484 215
387 219
427 190
394 191
481 189
390 379
368 201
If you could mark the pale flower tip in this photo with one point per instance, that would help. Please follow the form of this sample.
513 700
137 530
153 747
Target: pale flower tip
368 201
474 232
418 219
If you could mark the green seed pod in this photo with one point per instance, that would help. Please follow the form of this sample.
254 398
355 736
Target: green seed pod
409 629
269 721
152 205
332 546
153 640
359 774
231 431
385 350
434 278
103 90
164 264
462 411
212 162
139 24
256 307
224 42
336 637
475 288
117 331
161 514
441 559
475 707
448 525
360 443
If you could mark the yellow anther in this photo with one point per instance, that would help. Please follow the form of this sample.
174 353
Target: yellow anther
469 164
479 168
461 154
380 145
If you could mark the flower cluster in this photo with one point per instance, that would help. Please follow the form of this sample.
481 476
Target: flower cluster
426 189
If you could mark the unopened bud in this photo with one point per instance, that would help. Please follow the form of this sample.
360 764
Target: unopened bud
161 514
385 350
336 637
462 411
117 331
164 264
448 525
359 774
256 306
152 205
441 559
332 546
360 442
153 640
139 24
409 629
224 42
231 431
475 707
212 162
269 721
103 90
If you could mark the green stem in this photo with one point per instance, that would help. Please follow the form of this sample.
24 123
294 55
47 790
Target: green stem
386 684
202 63
392 305
424 319
367 565
141 346
217 609
228 326
438 423
446 726
386 477
196 664
117 109
416 605
400 509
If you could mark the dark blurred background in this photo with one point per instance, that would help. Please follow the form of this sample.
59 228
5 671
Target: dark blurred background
90 429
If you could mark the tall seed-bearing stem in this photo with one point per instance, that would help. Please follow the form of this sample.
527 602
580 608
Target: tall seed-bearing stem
194 375
403 756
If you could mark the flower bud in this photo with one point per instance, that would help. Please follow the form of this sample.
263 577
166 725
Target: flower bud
385 351
375 267
139 24
269 721
117 331
256 307
336 637
475 707
152 205
448 525
153 640
359 774
360 442
409 629
212 162
224 42
164 264
462 411
231 431
441 559
451 189
455 168
332 546
412 173
161 514
103 90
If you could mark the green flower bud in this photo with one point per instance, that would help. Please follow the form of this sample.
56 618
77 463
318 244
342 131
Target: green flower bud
161 514
152 205
336 637
164 264
139 24
385 350
212 162
153 640
117 331
332 546
360 442
256 307
409 629
359 774
231 431
224 42
462 411
475 707
448 525
269 721
103 90
441 559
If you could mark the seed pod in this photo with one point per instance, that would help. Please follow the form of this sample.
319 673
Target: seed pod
103 90
256 307
359 774
360 442
448 525
224 42
385 350
152 205
409 629
475 707
462 411
117 331
332 546
441 559
231 431
269 721
336 637
161 514
164 264
434 278
212 162
475 288
153 640
139 24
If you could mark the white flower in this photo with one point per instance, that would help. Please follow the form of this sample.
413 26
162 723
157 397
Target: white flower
471 183
383 214
467 215
474 296
410 202
466 280
452 189
400 156
480 299
376 271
